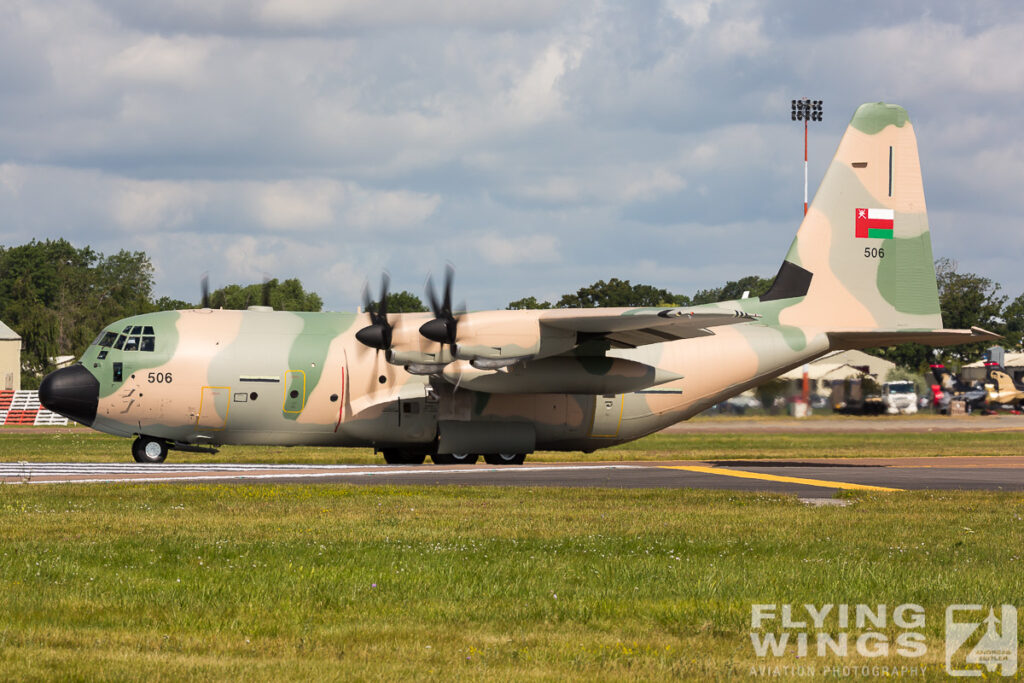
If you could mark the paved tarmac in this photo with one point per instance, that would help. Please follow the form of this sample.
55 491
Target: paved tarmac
810 479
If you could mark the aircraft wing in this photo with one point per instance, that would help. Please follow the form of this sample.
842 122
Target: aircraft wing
632 327
863 339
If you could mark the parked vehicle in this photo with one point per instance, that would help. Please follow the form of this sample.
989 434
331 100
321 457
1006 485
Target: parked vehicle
899 397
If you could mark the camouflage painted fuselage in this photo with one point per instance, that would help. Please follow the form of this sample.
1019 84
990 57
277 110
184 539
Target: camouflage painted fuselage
247 377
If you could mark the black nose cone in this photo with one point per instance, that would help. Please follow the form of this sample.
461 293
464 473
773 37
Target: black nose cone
73 392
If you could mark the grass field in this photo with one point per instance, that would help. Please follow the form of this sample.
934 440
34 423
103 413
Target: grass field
299 582
82 445
137 582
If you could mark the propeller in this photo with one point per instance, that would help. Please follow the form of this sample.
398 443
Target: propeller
265 293
204 286
377 335
443 328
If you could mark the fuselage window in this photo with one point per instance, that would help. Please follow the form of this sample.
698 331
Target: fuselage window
148 344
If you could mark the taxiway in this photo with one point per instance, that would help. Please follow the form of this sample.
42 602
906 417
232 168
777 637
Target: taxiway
810 478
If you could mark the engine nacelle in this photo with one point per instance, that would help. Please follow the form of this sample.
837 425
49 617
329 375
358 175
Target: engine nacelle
502 335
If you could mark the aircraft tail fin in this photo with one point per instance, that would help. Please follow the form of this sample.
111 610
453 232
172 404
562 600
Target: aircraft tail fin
862 258
998 374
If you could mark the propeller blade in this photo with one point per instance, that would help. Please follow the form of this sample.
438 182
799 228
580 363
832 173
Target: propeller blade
385 285
435 305
443 329
266 291
367 301
204 286
449 277
377 334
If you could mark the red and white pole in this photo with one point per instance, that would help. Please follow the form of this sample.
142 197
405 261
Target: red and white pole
805 167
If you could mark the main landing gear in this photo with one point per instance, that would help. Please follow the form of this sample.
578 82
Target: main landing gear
146 449
454 458
471 458
505 459
397 456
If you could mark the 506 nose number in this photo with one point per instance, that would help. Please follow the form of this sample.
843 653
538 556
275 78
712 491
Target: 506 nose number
160 378
874 252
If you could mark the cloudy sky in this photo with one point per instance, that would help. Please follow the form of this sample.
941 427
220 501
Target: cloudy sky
538 145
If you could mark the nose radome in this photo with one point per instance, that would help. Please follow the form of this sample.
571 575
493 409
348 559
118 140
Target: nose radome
73 392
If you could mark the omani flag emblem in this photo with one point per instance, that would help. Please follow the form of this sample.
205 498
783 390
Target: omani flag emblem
874 223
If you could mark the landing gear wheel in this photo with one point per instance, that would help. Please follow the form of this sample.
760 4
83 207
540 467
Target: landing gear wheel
454 458
146 449
505 458
396 456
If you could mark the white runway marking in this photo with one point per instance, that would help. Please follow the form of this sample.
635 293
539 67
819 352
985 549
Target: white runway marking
86 473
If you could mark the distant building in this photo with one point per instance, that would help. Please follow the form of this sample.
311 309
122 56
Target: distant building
10 359
839 366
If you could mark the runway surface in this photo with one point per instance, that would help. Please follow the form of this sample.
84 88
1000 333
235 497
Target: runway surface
812 478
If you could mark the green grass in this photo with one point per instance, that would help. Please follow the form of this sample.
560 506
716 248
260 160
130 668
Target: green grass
83 445
133 582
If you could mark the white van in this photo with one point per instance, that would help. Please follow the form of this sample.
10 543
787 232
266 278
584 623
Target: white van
899 397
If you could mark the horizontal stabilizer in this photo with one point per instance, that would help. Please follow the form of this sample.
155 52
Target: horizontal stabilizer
863 339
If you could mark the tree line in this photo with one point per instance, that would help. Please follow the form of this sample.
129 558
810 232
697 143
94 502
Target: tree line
58 297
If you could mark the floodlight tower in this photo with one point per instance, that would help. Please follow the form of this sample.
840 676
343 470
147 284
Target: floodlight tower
806 110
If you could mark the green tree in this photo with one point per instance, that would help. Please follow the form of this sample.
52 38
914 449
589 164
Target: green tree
288 295
166 303
1013 314
525 303
616 293
405 302
57 297
733 289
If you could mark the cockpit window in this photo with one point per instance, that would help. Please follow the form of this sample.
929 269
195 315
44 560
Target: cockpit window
134 338
106 339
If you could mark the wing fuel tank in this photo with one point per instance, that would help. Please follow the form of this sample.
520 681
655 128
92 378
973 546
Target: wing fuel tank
561 375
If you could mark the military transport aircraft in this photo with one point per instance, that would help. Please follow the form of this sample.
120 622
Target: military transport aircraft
501 384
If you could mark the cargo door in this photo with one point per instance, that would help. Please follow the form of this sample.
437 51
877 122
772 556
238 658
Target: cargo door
213 408
607 415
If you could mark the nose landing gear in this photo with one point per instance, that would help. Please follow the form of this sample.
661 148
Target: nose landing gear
146 449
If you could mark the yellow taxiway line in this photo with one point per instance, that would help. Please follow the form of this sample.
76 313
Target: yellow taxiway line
774 477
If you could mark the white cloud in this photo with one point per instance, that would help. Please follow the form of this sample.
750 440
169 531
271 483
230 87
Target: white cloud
288 205
517 249
179 60
151 205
